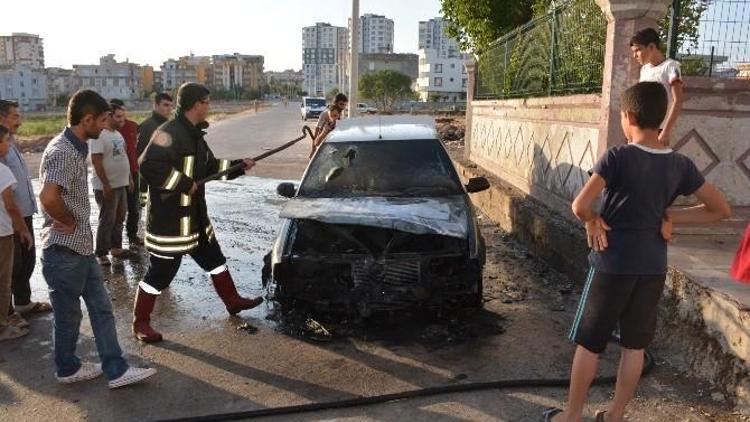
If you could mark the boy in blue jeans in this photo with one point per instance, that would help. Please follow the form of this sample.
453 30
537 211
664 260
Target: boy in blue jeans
628 239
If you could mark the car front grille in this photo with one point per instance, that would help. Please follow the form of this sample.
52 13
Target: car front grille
388 273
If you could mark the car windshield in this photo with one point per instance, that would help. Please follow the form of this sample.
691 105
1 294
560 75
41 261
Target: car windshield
315 102
413 168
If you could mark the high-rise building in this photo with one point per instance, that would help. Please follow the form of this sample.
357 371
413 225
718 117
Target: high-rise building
147 79
59 85
408 64
433 36
21 48
25 85
110 78
441 78
231 72
176 72
324 57
375 34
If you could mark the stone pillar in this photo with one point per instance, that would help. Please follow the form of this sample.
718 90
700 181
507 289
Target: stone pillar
471 71
624 19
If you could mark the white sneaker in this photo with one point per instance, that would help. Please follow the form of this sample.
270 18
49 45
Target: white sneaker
132 376
104 260
87 371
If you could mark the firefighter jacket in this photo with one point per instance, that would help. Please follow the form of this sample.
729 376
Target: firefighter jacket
145 131
175 157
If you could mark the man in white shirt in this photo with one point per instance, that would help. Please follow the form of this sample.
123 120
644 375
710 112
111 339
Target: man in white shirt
111 181
657 68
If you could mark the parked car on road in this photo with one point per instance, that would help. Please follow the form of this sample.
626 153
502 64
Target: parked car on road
311 107
364 108
380 222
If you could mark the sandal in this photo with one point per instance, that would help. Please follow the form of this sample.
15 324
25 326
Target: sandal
550 413
600 416
34 308
11 331
17 320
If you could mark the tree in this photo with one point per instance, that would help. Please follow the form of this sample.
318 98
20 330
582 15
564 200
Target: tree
385 88
332 93
477 23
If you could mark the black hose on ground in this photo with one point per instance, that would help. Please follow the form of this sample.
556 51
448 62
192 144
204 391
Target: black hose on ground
385 398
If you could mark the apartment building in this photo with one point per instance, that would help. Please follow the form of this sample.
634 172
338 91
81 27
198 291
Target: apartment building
324 57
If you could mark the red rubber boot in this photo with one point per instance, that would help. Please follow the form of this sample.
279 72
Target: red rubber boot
235 303
144 305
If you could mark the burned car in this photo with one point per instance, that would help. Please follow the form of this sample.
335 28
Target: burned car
380 222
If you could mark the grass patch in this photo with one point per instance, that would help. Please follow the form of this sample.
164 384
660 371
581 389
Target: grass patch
51 125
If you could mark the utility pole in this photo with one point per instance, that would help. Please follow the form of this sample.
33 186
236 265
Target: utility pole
354 60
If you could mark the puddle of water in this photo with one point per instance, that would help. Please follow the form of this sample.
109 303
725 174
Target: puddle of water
244 213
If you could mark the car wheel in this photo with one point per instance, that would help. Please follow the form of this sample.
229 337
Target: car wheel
476 300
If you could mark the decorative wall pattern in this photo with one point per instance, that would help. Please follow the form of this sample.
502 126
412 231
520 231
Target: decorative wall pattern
714 130
546 146
545 158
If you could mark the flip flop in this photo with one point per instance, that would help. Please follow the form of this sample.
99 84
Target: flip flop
600 416
550 413
10 332
34 308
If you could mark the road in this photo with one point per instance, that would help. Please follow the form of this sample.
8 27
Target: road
213 363
249 135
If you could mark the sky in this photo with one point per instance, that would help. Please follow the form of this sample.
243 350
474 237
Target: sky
149 32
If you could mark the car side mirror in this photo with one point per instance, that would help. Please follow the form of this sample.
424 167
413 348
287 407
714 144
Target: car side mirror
287 190
477 184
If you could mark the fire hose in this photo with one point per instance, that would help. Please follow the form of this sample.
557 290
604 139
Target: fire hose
410 394
241 166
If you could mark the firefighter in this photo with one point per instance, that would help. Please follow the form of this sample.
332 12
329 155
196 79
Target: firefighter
177 220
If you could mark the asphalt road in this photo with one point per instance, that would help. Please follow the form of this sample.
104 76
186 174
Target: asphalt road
213 363
249 135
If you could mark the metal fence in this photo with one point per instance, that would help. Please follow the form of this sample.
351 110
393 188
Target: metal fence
713 37
557 54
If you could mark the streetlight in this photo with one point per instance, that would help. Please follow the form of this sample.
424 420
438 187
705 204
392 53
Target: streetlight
354 60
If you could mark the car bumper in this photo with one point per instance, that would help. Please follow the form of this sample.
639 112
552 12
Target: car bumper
357 284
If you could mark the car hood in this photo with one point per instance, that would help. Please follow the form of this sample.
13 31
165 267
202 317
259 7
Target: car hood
446 216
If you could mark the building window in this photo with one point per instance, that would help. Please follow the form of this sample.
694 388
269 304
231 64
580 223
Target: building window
451 79
438 81
464 82
438 68
453 65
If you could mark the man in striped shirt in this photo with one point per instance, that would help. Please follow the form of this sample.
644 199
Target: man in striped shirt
68 262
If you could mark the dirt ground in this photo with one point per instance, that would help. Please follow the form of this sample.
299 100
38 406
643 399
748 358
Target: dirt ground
211 363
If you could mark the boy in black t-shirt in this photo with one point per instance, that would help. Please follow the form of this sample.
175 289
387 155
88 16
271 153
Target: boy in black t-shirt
628 239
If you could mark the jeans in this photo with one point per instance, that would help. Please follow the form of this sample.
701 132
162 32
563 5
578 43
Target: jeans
111 217
134 210
6 270
71 276
24 261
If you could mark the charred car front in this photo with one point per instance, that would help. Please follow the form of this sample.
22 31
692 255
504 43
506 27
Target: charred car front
380 222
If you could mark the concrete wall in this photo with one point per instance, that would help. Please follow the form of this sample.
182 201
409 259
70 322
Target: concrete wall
543 146
714 130
546 146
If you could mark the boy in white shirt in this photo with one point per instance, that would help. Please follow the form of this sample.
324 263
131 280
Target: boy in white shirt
111 181
11 222
658 68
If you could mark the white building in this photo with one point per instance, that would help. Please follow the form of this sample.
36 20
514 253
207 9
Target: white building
21 48
441 78
25 85
111 79
324 58
375 34
433 35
